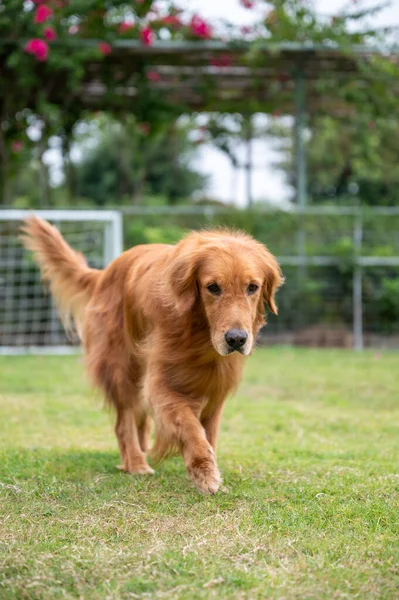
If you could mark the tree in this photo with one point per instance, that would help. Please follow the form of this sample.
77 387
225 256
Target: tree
46 48
349 160
351 146
127 160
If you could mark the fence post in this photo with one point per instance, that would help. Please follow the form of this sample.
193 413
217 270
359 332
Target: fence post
113 238
358 343
248 163
300 168
54 320
300 156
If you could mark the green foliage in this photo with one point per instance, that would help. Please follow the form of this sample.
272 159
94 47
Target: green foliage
350 159
387 297
357 155
48 89
127 162
300 22
321 295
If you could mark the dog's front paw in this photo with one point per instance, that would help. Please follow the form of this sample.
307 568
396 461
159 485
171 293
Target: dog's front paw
205 474
139 469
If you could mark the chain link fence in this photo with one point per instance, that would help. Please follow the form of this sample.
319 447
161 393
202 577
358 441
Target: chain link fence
28 316
341 267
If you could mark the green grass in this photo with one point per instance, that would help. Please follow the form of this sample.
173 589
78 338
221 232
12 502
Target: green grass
309 452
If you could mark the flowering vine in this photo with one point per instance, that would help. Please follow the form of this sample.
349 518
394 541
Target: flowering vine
49 47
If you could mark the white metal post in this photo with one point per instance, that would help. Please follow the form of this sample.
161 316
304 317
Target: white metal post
54 312
248 164
113 238
117 224
358 284
300 169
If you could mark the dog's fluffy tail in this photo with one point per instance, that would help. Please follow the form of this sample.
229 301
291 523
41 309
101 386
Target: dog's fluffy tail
70 279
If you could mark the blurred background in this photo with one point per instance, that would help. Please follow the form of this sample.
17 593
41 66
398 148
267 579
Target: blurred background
280 118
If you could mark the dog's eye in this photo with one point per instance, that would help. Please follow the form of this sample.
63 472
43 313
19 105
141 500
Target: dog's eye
214 289
252 288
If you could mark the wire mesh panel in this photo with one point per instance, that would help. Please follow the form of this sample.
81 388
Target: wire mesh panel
28 317
315 308
380 303
341 266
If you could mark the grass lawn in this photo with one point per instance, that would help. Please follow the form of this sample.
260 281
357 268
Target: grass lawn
309 453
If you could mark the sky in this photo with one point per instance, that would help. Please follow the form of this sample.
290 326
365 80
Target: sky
267 183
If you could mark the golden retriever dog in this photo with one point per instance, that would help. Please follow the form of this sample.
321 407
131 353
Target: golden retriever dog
165 331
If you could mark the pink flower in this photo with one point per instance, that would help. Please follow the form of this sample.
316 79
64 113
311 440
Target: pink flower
104 48
153 12
200 28
125 26
153 76
245 29
221 61
38 48
247 3
147 36
17 146
271 18
42 13
50 34
145 128
73 30
171 20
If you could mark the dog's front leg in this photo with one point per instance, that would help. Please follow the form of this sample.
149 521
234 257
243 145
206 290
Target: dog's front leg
211 423
178 426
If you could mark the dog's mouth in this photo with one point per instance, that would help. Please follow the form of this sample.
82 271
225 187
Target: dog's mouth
226 351
232 350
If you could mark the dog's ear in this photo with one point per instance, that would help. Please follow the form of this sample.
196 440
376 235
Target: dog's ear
273 280
181 277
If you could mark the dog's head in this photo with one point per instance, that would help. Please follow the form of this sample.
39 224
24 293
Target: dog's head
229 277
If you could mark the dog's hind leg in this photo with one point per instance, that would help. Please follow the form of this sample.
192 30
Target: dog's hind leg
117 375
127 433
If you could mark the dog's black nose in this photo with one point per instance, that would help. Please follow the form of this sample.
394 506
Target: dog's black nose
236 338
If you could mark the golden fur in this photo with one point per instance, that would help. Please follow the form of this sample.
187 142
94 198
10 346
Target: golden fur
154 329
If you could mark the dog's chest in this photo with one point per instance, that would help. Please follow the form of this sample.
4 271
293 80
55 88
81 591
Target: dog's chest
214 380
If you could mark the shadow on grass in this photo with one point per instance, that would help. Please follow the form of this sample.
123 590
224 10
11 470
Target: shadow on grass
70 464
79 472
